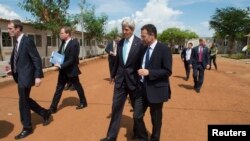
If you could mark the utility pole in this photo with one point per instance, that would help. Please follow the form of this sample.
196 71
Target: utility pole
81 16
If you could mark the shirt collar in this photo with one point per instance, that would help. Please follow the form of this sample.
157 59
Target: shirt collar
152 46
131 39
19 38
67 41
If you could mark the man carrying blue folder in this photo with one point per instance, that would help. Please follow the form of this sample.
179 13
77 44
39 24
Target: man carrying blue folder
68 70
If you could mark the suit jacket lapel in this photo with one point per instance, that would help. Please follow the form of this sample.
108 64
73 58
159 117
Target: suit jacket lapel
154 53
68 46
132 49
120 51
20 46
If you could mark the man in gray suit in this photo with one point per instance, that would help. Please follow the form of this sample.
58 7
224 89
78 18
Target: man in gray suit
26 68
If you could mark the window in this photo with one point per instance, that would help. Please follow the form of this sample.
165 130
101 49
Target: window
54 41
93 42
88 43
6 39
80 42
49 41
38 40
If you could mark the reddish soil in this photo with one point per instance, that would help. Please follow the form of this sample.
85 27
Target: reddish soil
224 99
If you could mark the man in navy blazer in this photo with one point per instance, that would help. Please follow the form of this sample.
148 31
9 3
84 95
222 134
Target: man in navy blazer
156 68
68 70
111 49
124 75
185 56
199 62
26 68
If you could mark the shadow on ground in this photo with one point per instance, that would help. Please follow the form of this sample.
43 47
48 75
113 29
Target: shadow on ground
5 128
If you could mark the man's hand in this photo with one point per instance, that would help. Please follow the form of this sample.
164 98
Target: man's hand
191 66
143 72
38 82
208 66
56 67
8 70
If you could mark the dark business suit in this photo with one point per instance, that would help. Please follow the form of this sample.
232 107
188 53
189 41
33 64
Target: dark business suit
111 58
126 82
199 67
28 67
154 91
69 72
186 62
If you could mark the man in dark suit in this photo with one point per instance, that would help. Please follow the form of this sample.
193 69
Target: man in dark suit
156 68
111 49
26 68
68 71
185 56
125 75
199 62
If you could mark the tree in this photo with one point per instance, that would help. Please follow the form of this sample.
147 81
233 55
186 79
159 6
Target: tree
49 14
92 24
176 36
113 33
232 23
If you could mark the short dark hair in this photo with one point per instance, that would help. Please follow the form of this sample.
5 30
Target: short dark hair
67 29
17 24
190 43
151 29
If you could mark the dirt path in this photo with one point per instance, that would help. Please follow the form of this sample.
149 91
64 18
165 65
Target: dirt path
224 99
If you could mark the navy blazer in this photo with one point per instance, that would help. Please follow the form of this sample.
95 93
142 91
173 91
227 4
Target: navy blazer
195 56
28 63
160 69
128 72
71 60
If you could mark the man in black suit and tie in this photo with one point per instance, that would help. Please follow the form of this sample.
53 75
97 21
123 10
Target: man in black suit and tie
125 76
185 56
68 71
156 68
111 49
199 62
26 69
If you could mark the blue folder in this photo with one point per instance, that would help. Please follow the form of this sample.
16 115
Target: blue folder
56 58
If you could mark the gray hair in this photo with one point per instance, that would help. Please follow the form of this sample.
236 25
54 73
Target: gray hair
128 22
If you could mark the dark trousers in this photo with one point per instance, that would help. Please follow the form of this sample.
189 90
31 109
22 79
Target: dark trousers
187 68
62 80
25 105
198 75
213 58
119 98
141 105
111 60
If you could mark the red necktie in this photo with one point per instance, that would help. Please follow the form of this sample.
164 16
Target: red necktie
200 54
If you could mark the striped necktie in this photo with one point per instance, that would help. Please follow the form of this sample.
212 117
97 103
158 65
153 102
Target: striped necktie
15 56
147 57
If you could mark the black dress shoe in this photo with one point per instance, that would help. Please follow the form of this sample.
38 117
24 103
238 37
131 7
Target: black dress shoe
46 117
107 139
81 106
52 110
24 134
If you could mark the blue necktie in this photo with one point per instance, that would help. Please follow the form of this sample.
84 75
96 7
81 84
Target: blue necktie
147 58
124 51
